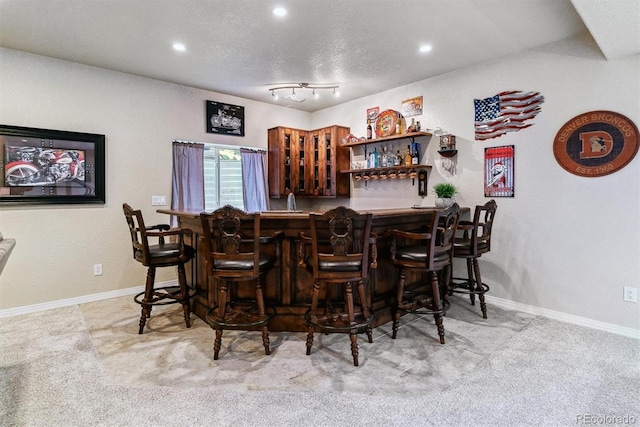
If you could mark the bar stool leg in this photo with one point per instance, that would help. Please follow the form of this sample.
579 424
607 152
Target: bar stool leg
222 306
261 311
366 308
435 288
470 284
396 313
352 321
314 307
186 307
148 296
480 288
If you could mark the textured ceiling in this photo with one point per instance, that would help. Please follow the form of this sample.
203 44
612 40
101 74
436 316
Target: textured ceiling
365 46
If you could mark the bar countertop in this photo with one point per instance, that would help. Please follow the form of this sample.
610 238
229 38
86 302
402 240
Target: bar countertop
301 214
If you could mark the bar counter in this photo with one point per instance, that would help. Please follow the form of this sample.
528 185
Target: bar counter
288 286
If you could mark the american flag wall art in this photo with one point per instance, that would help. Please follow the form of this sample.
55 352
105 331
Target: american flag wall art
505 112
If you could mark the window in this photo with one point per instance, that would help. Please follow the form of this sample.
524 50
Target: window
222 177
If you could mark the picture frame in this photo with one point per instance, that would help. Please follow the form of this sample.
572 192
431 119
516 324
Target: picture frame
225 119
45 166
499 171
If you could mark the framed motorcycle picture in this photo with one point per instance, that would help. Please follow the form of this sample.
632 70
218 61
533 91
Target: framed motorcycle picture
225 119
44 166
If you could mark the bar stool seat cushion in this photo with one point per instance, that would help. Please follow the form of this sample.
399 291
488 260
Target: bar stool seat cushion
417 253
265 262
336 266
167 250
463 247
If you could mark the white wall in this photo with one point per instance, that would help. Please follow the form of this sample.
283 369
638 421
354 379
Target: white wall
58 245
563 243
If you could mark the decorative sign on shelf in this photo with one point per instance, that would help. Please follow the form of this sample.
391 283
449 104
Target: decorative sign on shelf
505 112
412 106
372 113
596 143
225 119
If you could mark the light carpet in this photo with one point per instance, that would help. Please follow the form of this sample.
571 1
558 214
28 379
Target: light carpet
86 365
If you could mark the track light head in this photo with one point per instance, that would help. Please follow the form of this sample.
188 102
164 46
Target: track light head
315 88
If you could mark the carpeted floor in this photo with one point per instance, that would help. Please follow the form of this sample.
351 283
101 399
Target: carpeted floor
86 365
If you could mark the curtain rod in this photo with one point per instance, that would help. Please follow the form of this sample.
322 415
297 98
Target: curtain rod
238 147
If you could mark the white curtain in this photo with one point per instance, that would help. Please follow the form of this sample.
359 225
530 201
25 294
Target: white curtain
187 193
255 190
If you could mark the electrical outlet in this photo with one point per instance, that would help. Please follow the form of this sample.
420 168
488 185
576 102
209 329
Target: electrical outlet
97 269
158 200
630 294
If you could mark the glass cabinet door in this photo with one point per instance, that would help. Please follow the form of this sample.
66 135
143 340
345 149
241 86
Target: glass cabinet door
308 163
301 187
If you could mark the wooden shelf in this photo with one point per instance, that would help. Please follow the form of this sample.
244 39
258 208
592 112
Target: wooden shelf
392 168
448 153
387 138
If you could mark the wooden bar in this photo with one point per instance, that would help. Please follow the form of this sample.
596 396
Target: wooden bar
288 286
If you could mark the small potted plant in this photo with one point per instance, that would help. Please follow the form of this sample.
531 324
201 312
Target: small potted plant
444 192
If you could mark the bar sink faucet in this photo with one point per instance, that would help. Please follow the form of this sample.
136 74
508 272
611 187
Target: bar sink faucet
291 202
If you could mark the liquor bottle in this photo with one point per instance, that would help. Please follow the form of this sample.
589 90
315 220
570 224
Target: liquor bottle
385 157
375 159
398 159
369 129
415 157
407 156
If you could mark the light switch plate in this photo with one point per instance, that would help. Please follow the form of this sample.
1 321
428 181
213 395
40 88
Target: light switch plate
158 200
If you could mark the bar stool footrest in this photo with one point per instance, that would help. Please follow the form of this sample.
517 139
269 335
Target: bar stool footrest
335 323
460 285
164 296
240 319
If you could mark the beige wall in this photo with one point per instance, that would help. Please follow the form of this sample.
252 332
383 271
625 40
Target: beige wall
564 243
57 246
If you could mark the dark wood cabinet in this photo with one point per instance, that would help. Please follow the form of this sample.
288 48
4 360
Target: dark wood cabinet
308 163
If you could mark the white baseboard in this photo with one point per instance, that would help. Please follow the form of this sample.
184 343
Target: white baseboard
503 303
564 317
79 300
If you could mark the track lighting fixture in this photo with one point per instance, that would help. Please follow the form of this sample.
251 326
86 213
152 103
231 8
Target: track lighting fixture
314 90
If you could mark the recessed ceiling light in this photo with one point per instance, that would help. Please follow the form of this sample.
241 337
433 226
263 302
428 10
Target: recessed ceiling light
425 48
179 47
279 11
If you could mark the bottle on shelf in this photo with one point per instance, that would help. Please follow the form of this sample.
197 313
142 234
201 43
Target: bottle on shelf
374 159
384 157
415 157
397 161
407 156
369 129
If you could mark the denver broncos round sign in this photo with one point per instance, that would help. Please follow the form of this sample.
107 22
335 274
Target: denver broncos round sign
596 143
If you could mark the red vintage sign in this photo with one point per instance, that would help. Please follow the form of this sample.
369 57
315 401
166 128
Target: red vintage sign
596 143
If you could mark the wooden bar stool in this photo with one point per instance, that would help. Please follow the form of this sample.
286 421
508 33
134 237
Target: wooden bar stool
425 252
474 241
162 254
341 241
233 252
